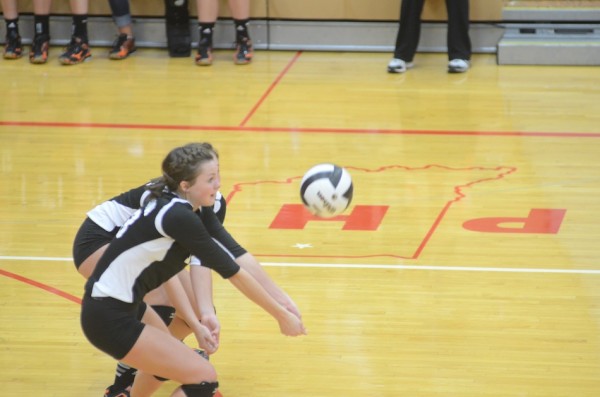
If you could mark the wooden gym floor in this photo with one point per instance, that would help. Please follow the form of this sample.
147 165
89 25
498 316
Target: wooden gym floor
467 265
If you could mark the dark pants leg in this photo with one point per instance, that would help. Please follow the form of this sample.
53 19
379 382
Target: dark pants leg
409 30
119 7
120 12
459 43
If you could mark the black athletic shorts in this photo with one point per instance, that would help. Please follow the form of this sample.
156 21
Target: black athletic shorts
111 325
89 239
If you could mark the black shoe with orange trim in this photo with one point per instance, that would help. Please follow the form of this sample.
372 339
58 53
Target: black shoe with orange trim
111 391
204 56
122 47
77 51
243 52
39 49
13 49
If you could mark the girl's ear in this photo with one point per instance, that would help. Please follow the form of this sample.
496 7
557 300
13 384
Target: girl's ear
184 185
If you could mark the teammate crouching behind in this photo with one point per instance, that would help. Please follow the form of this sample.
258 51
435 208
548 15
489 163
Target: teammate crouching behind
150 249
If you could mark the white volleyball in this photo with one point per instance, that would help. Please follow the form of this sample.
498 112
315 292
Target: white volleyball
326 190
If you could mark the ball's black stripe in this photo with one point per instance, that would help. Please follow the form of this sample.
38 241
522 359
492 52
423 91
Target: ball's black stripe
349 193
336 175
309 181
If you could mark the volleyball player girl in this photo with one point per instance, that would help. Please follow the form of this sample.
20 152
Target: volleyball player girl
100 227
148 251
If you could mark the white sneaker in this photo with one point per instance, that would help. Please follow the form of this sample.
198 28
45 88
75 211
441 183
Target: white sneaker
398 66
458 66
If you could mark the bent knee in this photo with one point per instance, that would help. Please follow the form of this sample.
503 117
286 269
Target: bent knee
201 372
209 375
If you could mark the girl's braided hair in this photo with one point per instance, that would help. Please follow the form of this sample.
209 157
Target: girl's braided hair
181 164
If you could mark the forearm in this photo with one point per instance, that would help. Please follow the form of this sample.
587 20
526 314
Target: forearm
181 302
251 288
203 292
252 266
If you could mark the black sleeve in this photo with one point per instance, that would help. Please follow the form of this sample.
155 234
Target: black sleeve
180 223
218 232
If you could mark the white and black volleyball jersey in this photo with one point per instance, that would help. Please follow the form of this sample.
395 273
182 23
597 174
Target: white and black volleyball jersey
112 214
152 247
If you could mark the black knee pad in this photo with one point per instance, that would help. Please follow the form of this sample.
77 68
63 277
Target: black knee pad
166 313
204 389
202 353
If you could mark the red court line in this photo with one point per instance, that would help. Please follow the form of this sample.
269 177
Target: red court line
41 286
271 88
52 124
